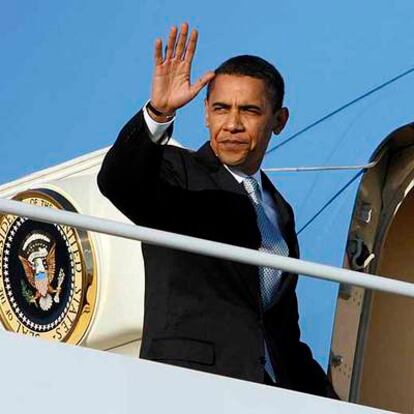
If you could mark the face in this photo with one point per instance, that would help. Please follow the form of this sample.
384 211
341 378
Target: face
241 120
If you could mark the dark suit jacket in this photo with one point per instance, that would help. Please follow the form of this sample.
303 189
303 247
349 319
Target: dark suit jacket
201 312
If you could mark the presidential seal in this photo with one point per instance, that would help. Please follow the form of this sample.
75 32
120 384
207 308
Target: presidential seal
47 279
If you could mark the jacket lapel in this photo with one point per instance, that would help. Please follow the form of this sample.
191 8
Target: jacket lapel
287 227
226 182
284 216
223 178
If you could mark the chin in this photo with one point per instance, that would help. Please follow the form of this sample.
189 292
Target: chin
231 162
231 159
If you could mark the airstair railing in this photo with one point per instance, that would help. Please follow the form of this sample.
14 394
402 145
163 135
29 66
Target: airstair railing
205 247
323 168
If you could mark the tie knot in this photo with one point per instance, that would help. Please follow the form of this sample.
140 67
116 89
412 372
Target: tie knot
252 188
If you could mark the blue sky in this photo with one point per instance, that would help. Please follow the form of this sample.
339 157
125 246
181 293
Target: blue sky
73 72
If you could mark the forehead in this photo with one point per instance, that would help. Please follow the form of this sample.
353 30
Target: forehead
241 88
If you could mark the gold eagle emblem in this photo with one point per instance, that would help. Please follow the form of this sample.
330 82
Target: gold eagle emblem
39 269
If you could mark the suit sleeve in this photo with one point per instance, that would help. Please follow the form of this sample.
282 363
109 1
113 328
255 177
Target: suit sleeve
136 171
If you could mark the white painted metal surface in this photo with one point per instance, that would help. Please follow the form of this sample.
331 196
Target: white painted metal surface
44 377
206 247
118 318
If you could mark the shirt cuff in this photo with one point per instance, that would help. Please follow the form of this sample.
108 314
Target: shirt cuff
156 129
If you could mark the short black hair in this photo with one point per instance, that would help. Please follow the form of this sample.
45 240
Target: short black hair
256 67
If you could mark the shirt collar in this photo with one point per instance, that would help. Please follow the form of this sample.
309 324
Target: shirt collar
240 176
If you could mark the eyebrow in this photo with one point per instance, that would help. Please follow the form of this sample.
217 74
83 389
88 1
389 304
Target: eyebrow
245 106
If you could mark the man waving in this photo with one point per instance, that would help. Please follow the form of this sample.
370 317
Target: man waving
205 313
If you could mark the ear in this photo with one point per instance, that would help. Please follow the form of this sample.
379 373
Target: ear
206 121
280 119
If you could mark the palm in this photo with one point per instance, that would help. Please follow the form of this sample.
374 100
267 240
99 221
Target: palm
171 86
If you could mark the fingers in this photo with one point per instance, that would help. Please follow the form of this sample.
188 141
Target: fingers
203 81
171 43
191 48
182 40
158 52
178 48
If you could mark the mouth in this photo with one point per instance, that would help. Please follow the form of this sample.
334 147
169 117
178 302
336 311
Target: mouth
233 144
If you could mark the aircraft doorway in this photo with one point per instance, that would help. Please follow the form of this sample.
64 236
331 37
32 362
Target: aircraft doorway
387 369
372 353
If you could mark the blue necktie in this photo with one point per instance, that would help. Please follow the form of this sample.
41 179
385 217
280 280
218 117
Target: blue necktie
272 242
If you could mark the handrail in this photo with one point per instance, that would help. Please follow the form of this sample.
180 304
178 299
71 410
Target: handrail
323 168
205 247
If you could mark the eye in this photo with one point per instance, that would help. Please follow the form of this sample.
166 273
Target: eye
219 109
252 110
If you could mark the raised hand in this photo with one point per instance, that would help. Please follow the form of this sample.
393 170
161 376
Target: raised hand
171 84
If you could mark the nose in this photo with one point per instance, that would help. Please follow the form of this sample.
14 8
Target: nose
233 122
